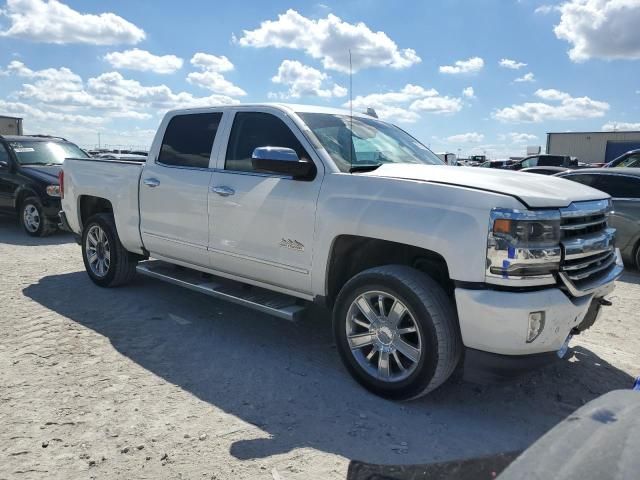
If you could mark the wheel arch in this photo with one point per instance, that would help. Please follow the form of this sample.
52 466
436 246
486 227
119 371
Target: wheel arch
89 205
352 254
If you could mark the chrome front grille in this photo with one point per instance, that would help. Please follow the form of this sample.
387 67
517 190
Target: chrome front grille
589 259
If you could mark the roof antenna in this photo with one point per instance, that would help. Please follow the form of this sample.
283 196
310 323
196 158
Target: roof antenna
350 108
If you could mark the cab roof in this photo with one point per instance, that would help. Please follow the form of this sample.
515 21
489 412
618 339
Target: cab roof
286 107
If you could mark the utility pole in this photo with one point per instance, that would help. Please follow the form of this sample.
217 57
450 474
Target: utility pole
98 139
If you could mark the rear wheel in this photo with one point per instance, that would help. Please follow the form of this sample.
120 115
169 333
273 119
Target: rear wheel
33 220
637 257
107 262
396 332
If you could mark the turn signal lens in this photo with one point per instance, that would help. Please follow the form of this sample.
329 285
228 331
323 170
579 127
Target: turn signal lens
502 225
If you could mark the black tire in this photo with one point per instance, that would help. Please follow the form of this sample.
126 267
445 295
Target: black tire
437 325
122 264
45 226
636 259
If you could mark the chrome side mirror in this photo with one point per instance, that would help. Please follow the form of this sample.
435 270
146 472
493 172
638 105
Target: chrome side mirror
281 160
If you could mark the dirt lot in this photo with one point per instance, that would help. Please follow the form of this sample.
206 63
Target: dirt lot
152 381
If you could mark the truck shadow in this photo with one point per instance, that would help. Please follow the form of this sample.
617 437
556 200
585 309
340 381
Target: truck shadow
286 379
630 276
11 233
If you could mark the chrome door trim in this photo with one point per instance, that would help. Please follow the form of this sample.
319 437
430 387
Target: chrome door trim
259 260
175 240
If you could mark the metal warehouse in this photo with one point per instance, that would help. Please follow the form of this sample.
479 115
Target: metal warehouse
10 125
592 147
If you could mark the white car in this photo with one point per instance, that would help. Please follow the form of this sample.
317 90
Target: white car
424 266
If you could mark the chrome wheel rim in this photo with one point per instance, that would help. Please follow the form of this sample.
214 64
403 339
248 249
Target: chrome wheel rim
98 251
383 336
31 218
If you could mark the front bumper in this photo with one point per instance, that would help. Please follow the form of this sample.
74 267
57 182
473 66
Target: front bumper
486 367
496 321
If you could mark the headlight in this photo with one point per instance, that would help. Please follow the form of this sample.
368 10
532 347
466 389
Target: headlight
523 247
53 190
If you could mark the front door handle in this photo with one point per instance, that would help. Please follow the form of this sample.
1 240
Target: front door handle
151 182
223 191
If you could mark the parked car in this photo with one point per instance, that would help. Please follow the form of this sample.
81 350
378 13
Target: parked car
287 205
545 161
623 184
630 159
496 163
29 167
545 170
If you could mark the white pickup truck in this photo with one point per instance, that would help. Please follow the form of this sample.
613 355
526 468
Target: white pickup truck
425 267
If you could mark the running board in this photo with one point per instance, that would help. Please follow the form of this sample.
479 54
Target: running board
256 298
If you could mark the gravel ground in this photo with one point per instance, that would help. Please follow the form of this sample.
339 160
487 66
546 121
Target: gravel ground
153 381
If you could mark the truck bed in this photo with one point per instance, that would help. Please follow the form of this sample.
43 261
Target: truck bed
114 180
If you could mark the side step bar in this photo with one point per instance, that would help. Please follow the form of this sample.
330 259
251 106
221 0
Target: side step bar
256 298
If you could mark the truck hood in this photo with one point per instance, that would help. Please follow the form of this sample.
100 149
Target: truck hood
45 173
533 190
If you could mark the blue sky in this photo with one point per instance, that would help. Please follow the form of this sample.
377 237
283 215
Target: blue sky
476 76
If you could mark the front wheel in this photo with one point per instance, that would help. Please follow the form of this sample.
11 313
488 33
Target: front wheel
396 332
107 262
33 219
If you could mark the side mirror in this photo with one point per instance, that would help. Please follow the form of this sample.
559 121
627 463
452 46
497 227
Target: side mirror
281 160
4 165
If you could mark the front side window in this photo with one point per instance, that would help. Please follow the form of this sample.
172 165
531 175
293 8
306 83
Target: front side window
188 140
256 129
585 179
530 162
29 152
4 155
354 142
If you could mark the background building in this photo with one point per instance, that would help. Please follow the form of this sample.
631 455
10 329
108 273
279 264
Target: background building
10 125
592 147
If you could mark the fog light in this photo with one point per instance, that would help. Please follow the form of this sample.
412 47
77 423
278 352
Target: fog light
536 325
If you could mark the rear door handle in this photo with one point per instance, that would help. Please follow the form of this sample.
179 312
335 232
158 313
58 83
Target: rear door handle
223 191
151 182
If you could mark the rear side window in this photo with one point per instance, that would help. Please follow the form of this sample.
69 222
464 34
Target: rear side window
252 130
188 140
618 186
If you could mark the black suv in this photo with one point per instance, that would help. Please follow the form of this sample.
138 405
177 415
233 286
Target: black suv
29 167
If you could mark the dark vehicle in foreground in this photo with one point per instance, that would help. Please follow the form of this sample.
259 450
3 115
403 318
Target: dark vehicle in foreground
496 164
29 167
624 187
545 170
630 159
545 161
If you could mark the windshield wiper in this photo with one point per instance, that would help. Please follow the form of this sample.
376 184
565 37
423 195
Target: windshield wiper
364 168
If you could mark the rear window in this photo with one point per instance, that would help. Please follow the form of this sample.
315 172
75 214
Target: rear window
188 140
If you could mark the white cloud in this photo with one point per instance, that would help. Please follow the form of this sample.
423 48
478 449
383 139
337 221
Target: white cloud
472 65
329 40
59 92
606 29
471 137
621 126
406 105
545 9
304 81
30 112
511 64
136 59
526 78
517 138
469 92
565 107
212 63
54 22
210 77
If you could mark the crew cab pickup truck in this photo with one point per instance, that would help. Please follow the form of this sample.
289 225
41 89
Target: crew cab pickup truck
425 267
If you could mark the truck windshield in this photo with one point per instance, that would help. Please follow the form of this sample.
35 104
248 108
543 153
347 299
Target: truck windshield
45 153
359 144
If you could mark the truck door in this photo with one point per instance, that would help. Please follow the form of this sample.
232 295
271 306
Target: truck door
262 224
7 186
174 221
